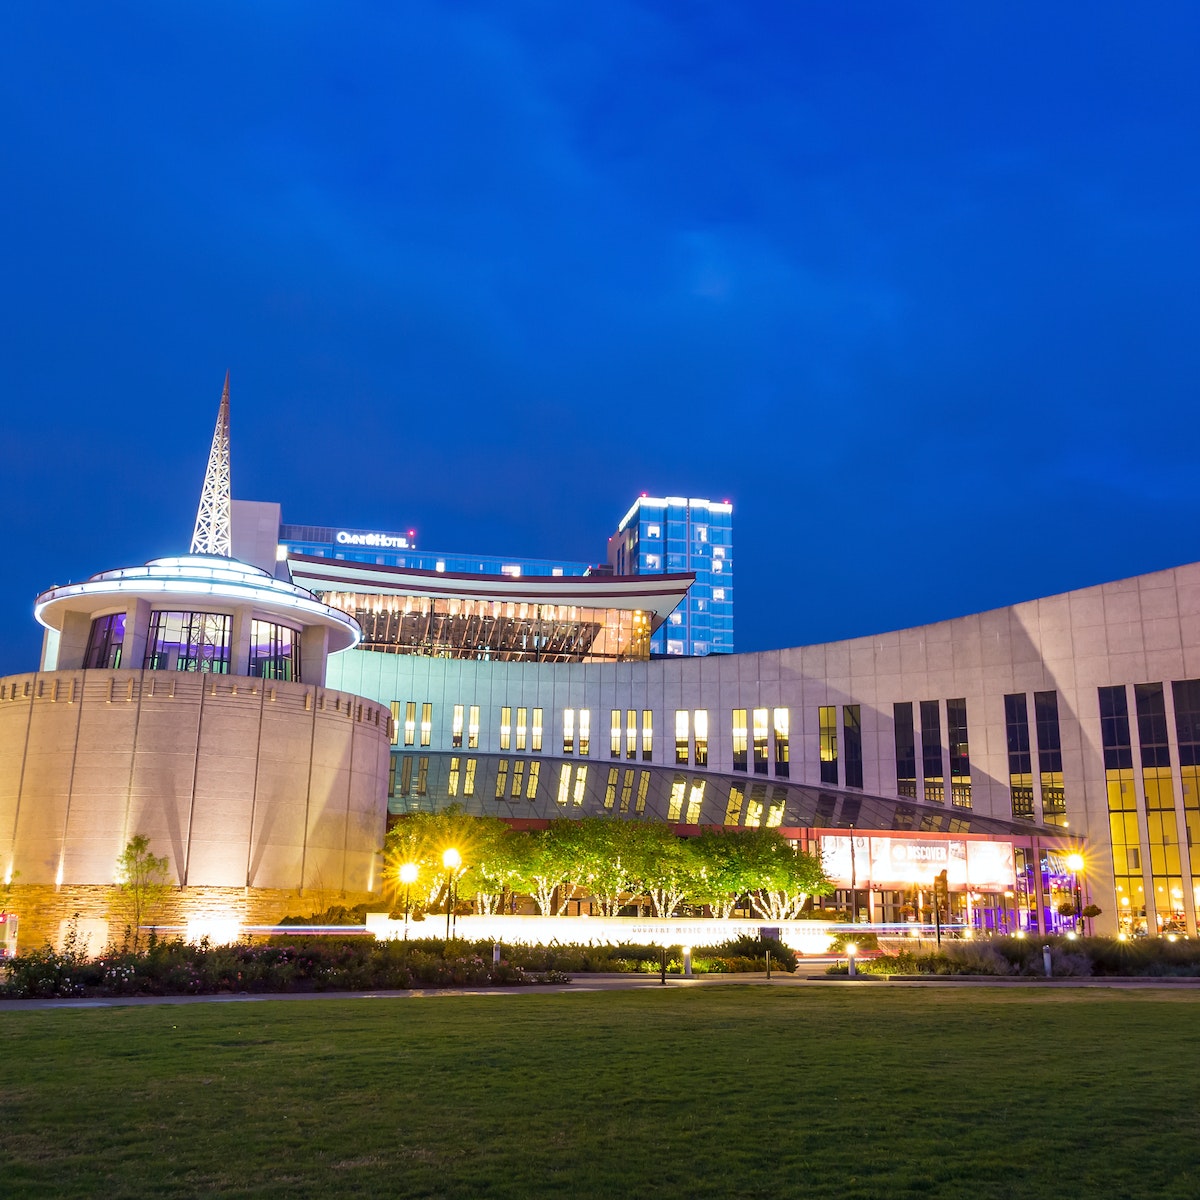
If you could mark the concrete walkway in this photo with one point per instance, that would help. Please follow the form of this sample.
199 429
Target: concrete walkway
612 983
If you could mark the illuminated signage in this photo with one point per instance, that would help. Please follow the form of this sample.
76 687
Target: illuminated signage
900 863
382 541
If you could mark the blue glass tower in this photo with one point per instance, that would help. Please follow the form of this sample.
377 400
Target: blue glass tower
671 534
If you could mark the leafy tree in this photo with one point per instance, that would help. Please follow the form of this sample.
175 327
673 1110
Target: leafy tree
609 862
787 876
727 868
142 885
667 866
546 865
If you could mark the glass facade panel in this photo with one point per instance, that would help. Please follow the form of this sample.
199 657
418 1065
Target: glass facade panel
274 651
1186 694
1122 811
960 755
906 750
827 726
1050 770
188 641
426 723
931 752
535 770
568 740
105 641
761 750
1166 867
1020 760
852 737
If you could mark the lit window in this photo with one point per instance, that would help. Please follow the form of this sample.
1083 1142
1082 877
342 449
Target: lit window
827 722
653 562
740 739
681 735
674 646
580 783
718 565
568 731
676 618
675 803
643 791
718 593
512 570
701 533
647 734
733 810
535 770
610 788
631 733
653 531
469 782
556 571
410 723
700 729
501 778
452 782
695 801
718 551
506 728
585 731
781 743
521 729
564 785
626 789
395 722
518 777
760 741
456 728
536 732
614 733
473 729
440 565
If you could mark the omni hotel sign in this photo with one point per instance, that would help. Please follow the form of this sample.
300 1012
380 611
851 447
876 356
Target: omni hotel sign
900 863
379 541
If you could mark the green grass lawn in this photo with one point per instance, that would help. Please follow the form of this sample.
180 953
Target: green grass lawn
730 1091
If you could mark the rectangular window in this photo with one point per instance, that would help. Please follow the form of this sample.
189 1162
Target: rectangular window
1050 768
585 731
1020 761
755 805
740 739
518 777
395 722
1187 728
931 752
1166 866
473 729
827 725
626 789
639 806
456 728
906 751
564 785
406 775
422 775
452 781
852 739
568 731
410 723
647 734
761 752
522 727
580 784
675 803
610 788
536 731
960 755
426 724
631 733
614 733
733 809
695 801
700 733
782 752
1122 811
506 728
392 775
535 770
681 735
469 780
501 778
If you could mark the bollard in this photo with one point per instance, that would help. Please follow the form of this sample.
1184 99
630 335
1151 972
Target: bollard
768 964
495 954
663 977
1046 961
687 960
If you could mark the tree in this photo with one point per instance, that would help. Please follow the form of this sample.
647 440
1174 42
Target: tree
727 868
608 861
141 884
666 865
546 864
787 876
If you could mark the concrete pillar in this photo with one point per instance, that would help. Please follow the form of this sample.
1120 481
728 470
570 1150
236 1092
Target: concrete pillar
239 642
137 629
314 654
73 640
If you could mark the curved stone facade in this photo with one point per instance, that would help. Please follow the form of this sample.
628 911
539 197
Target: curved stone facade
239 781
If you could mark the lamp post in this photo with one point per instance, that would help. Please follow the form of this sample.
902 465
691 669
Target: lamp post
1075 866
451 860
408 876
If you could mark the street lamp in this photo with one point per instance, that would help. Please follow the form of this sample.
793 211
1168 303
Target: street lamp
408 876
451 860
1075 866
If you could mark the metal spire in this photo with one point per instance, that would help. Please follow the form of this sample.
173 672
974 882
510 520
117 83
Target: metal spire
212 534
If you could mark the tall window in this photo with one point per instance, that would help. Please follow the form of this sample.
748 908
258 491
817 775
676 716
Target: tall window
631 733
522 727
733 808
681 735
501 778
700 733
395 723
931 752
1049 743
188 641
960 755
906 750
1020 761
564 785
473 729
610 788
456 728
531 787
647 734
782 761
614 733
1122 810
426 723
1187 727
761 752
105 640
505 728
827 724
1166 868
568 731
274 651
518 777
740 740
410 723
585 731
536 731
852 735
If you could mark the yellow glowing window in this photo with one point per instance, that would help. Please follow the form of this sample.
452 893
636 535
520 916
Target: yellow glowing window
535 770
614 733
410 723
395 722
536 731
452 782
760 741
564 785
473 729
626 789
501 778
695 800
740 739
580 783
426 723
568 731
469 782
585 731
518 777
681 735
647 734
456 728
610 788
522 727
631 733
506 728
733 810
643 791
700 732
675 803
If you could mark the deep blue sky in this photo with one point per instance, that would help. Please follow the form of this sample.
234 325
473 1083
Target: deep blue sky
915 285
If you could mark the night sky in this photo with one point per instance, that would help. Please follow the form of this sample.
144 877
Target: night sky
914 285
